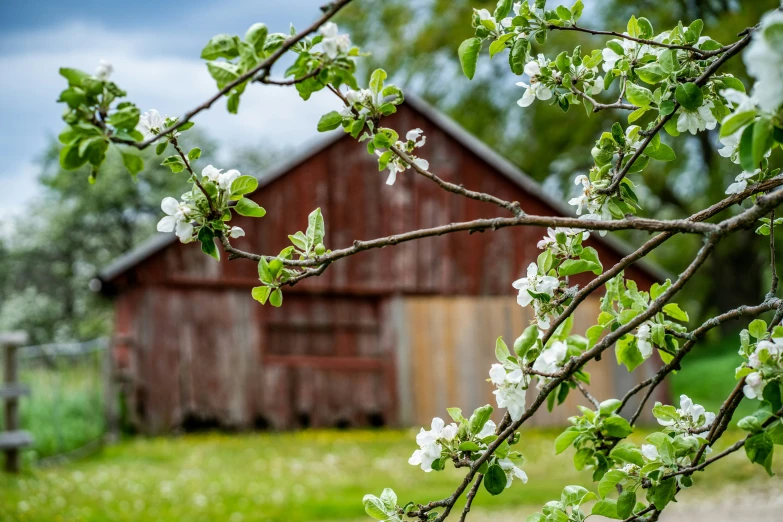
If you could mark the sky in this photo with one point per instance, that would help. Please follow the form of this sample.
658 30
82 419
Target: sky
154 47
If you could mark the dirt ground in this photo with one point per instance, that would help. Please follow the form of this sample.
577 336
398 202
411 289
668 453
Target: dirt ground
762 503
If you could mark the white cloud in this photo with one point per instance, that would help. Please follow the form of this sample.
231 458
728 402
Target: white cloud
172 84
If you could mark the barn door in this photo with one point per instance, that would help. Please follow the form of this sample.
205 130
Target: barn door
325 366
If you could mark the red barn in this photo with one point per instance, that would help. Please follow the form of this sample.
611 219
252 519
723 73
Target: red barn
386 337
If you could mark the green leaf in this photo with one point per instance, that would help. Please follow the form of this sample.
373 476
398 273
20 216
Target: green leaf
501 350
590 254
132 162
175 163
638 95
479 418
468 56
759 449
376 81
256 36
194 154
248 207
674 311
276 298
126 118
617 426
232 104
468 446
651 73
261 293
526 341
746 149
565 439
207 239
70 158
662 494
605 508
223 72
609 482
495 480
221 46
628 454
625 503
736 121
315 228
577 266
160 148
628 353
329 121
762 139
74 76
503 9
689 96
758 328
375 507
518 56
668 61
243 185
495 47
662 153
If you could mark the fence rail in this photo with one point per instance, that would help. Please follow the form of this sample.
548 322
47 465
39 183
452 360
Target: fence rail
68 389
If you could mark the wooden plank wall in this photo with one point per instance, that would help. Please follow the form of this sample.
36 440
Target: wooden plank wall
446 346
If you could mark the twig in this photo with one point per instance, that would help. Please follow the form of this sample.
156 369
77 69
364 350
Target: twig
709 71
773 288
334 8
471 495
586 393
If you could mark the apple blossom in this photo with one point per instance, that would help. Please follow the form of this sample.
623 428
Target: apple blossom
333 43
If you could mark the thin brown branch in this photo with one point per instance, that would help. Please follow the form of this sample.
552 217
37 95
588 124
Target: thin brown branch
582 388
470 497
773 287
700 54
184 157
733 49
270 81
266 65
598 106
695 336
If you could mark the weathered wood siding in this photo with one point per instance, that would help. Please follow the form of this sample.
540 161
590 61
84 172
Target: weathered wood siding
447 345
196 348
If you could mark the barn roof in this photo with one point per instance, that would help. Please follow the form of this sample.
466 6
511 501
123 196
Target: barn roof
158 242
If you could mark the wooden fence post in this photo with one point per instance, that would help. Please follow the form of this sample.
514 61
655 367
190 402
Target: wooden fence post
12 439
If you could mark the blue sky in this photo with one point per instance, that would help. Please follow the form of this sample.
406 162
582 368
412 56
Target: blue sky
154 47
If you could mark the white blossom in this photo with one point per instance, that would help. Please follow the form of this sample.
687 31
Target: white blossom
754 385
741 182
650 452
583 199
764 60
176 219
104 70
223 180
550 240
611 57
598 85
497 374
742 103
534 283
235 232
334 43
429 446
488 429
484 14
550 359
151 123
643 340
511 470
511 398
535 89
698 120
691 416
417 137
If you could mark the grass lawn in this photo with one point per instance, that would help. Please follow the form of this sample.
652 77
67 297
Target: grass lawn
312 475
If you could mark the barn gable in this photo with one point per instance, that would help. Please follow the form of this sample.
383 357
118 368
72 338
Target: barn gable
333 172
377 338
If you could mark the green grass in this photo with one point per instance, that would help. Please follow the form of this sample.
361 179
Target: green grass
65 408
312 475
